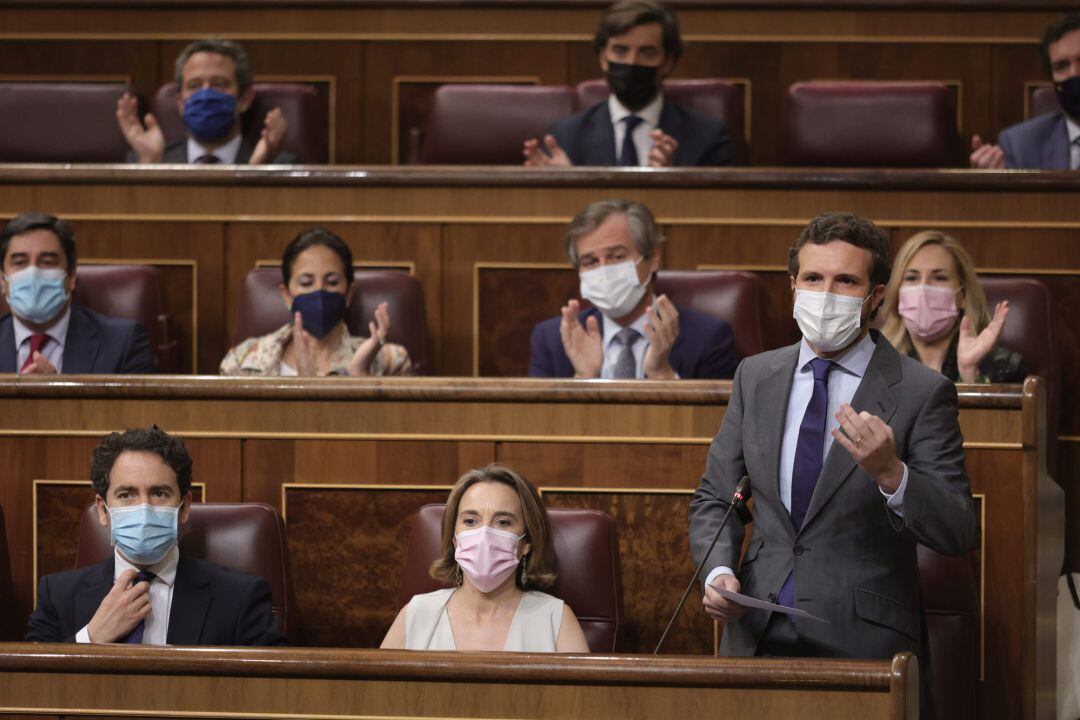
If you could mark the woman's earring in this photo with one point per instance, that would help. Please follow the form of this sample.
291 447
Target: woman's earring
458 579
524 575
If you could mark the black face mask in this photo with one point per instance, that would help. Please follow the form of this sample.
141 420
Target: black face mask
320 310
633 85
1068 94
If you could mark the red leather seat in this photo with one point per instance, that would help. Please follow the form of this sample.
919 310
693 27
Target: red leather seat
486 124
262 310
586 559
730 295
859 123
132 292
709 96
1040 100
307 112
951 604
1029 330
247 537
61 122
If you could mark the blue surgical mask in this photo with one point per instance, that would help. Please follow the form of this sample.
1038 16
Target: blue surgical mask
37 294
144 533
209 114
321 311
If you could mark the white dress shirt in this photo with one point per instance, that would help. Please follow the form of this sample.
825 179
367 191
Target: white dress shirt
613 348
650 115
1074 143
226 153
844 380
156 630
53 349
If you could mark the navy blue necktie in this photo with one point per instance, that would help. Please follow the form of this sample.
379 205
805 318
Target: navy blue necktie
628 156
809 457
136 635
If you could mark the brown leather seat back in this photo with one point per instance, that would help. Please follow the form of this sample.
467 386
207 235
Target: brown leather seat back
304 108
711 97
486 124
870 124
951 603
61 122
586 558
247 537
1041 99
1029 329
262 310
132 292
730 295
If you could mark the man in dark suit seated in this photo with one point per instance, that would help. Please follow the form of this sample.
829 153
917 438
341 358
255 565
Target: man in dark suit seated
149 592
1050 141
214 79
45 333
638 44
627 333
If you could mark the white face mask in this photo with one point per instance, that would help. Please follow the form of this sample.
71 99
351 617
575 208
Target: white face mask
615 290
827 320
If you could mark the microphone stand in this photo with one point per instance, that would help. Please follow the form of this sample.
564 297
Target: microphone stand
738 503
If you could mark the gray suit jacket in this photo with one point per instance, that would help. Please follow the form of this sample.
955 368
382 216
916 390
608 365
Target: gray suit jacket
854 559
1041 143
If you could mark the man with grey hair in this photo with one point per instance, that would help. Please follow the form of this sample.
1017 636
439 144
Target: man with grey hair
214 80
628 332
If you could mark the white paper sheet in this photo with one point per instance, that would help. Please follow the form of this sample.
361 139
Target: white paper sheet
750 602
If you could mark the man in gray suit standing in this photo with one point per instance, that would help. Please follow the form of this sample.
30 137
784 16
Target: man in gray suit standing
855 457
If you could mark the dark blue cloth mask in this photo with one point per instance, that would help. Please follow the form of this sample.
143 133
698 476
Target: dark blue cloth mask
320 310
1068 93
209 114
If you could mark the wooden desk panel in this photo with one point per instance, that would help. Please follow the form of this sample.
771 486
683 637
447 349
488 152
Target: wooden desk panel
282 683
360 456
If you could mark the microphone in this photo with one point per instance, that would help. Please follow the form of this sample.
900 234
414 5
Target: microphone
738 504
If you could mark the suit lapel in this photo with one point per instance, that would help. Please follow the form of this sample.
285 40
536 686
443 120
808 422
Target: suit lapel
599 148
93 589
190 603
82 345
773 391
8 356
873 395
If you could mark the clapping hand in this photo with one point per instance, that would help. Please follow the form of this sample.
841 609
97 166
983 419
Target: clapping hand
273 134
584 346
365 355
148 142
661 330
972 348
663 150
536 157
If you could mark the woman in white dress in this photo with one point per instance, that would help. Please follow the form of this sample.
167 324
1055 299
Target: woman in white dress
496 550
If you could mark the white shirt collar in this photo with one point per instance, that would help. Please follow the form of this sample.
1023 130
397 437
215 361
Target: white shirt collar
650 113
226 153
57 333
165 569
612 328
1073 127
854 360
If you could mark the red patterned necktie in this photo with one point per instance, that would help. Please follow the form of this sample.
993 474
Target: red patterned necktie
37 340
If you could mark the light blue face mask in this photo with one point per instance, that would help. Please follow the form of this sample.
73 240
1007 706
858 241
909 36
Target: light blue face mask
37 294
144 533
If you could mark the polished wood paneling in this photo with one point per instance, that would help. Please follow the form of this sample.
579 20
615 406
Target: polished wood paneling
292 683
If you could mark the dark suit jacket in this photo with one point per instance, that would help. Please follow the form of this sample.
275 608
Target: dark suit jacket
95 344
211 605
854 560
588 138
705 348
177 154
1041 143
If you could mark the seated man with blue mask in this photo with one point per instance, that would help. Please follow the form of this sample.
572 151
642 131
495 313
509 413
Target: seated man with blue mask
149 592
628 332
214 79
45 333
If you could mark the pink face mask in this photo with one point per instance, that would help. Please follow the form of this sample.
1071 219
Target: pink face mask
928 311
488 556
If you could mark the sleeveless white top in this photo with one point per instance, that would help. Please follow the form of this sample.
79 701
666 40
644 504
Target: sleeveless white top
535 626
